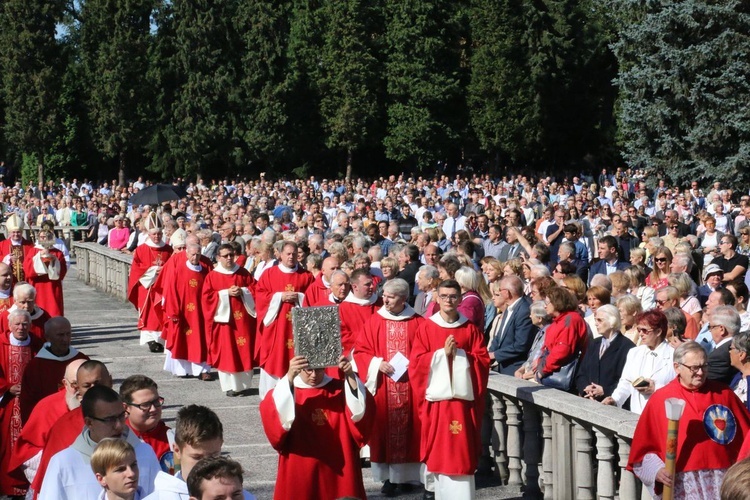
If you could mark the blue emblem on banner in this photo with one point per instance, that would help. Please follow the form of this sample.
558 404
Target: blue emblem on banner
720 424
167 462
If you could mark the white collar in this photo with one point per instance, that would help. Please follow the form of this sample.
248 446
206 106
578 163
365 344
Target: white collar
298 382
152 244
361 302
438 320
44 353
287 270
407 313
38 311
220 269
6 294
20 343
197 268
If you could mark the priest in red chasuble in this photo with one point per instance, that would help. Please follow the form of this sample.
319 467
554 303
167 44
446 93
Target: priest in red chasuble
318 425
17 347
184 330
28 450
45 268
6 287
24 298
44 373
448 369
13 250
229 309
318 292
713 426
148 260
357 308
279 288
386 337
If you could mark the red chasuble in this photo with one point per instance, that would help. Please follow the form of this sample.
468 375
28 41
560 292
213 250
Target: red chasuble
13 362
712 429
233 347
319 454
6 302
17 269
63 433
43 377
38 318
147 300
158 439
317 293
354 315
276 339
49 292
37 428
396 430
450 428
184 324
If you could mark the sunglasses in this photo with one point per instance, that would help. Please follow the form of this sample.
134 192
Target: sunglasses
660 259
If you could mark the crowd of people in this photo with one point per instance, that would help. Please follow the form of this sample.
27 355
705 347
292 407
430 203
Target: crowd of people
605 287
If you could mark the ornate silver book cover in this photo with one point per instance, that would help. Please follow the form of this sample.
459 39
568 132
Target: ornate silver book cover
317 335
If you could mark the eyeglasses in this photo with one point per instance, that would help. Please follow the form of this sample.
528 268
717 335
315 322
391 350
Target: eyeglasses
644 330
449 298
695 369
660 259
672 227
111 420
226 256
661 302
156 403
711 327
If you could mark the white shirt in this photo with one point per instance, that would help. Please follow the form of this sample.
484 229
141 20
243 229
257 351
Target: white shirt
641 361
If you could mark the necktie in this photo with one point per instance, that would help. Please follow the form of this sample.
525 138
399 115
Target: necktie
453 230
506 314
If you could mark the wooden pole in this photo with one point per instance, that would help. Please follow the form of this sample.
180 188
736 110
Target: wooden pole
674 408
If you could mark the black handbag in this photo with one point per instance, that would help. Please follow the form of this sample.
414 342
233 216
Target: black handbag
563 378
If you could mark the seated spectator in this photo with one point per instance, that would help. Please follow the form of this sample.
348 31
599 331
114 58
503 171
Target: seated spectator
596 296
688 303
602 364
741 294
541 319
643 372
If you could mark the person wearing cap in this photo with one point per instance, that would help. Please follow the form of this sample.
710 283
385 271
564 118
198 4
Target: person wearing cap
118 235
13 250
713 277
143 293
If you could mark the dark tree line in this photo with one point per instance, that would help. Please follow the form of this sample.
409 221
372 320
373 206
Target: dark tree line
223 87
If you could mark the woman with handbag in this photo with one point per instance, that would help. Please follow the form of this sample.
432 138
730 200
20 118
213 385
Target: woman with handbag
564 342
648 367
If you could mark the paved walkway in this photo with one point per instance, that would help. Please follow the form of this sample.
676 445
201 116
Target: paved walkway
104 329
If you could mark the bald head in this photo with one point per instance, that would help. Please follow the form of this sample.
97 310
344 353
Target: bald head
6 277
330 264
57 331
92 373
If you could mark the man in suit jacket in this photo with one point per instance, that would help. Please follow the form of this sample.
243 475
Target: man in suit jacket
408 261
515 332
724 324
428 278
608 261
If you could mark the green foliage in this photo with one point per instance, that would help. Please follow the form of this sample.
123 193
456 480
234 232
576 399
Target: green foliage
685 96
348 76
31 72
423 70
29 168
114 41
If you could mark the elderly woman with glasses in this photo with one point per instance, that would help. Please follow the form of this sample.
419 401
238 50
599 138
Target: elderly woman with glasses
648 366
710 436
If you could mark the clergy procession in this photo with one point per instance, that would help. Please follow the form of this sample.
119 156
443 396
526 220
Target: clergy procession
625 296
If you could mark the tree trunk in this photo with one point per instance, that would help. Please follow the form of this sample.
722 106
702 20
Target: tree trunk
40 170
349 155
121 170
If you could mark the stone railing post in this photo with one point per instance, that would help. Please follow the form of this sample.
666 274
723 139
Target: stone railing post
628 485
499 437
532 446
584 463
547 483
513 409
605 477
105 269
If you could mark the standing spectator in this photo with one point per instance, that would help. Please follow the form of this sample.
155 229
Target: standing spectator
515 331
724 325
118 235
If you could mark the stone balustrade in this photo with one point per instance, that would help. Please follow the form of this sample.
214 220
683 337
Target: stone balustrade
105 269
559 446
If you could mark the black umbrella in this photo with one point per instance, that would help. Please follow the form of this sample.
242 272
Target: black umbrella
157 194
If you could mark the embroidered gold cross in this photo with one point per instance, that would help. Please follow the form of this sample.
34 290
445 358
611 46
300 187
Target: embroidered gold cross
320 416
241 341
289 288
455 427
189 331
193 283
289 316
190 307
237 315
290 343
